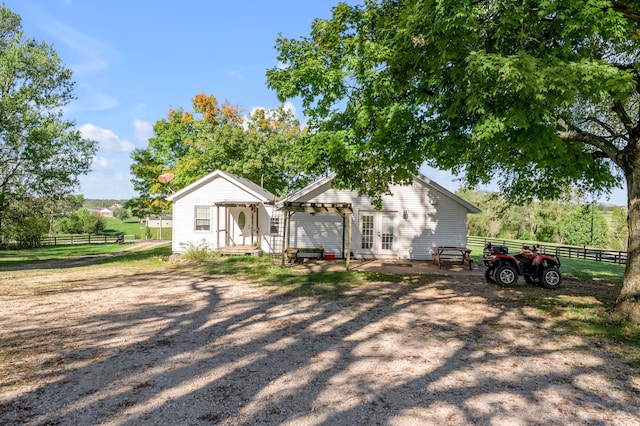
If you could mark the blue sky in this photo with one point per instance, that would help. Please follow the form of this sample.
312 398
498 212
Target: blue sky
132 60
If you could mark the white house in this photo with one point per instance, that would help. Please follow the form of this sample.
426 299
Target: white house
413 219
229 213
234 215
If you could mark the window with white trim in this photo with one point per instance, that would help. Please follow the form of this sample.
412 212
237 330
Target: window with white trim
275 226
203 218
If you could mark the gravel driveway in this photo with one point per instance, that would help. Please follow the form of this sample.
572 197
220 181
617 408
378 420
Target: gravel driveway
165 345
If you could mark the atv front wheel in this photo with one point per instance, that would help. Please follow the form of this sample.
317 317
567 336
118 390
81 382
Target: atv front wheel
506 275
551 278
488 275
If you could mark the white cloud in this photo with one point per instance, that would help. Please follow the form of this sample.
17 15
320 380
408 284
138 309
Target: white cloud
92 54
143 130
100 164
288 106
109 141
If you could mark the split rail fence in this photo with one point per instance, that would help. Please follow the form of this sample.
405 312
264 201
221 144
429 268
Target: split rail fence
571 252
83 239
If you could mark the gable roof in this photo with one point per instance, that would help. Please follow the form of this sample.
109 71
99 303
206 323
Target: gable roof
420 178
257 191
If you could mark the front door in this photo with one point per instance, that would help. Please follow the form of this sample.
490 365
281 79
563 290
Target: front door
240 226
378 234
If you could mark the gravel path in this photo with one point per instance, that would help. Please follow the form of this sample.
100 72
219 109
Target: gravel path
105 346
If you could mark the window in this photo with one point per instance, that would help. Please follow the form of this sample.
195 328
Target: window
387 232
203 218
275 226
242 220
367 232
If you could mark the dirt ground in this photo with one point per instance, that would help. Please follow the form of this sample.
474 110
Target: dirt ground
131 345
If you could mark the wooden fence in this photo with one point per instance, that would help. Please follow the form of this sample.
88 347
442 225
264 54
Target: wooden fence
571 252
83 239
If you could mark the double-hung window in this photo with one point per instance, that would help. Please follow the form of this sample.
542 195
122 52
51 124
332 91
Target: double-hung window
275 226
203 218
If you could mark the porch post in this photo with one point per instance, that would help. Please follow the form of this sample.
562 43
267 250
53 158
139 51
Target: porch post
226 225
285 235
349 241
343 232
258 239
218 227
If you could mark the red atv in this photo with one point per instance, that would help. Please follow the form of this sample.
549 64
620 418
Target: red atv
537 268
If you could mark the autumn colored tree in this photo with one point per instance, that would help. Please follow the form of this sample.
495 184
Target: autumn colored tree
536 96
262 147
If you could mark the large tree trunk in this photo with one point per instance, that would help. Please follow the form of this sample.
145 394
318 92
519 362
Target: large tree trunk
628 304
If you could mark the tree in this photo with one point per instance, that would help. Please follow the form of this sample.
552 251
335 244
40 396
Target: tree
41 153
262 148
585 226
25 222
82 222
619 234
535 96
122 214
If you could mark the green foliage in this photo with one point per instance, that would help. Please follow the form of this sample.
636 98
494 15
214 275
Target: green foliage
196 251
81 222
25 223
585 226
538 220
618 229
263 148
122 213
497 93
41 153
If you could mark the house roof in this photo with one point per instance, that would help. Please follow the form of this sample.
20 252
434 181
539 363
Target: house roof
420 178
257 191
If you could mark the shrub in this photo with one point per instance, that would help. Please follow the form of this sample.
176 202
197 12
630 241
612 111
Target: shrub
196 251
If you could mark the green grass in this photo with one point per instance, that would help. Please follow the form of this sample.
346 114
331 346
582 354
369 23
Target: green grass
17 257
13 257
134 230
588 316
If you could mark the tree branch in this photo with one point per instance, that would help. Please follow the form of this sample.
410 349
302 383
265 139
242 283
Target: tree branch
573 133
608 128
622 114
632 15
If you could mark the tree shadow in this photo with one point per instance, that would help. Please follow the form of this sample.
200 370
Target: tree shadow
214 350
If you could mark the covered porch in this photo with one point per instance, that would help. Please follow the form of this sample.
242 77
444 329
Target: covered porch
345 210
239 233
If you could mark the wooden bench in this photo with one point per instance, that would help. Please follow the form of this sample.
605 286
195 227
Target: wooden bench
299 254
461 254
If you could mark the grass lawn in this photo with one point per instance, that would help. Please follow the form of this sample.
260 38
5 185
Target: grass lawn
40 254
13 257
134 230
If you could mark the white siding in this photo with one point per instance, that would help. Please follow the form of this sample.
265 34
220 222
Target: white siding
219 189
432 219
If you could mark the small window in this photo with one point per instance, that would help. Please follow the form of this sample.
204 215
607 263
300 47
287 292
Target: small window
203 218
242 220
275 226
